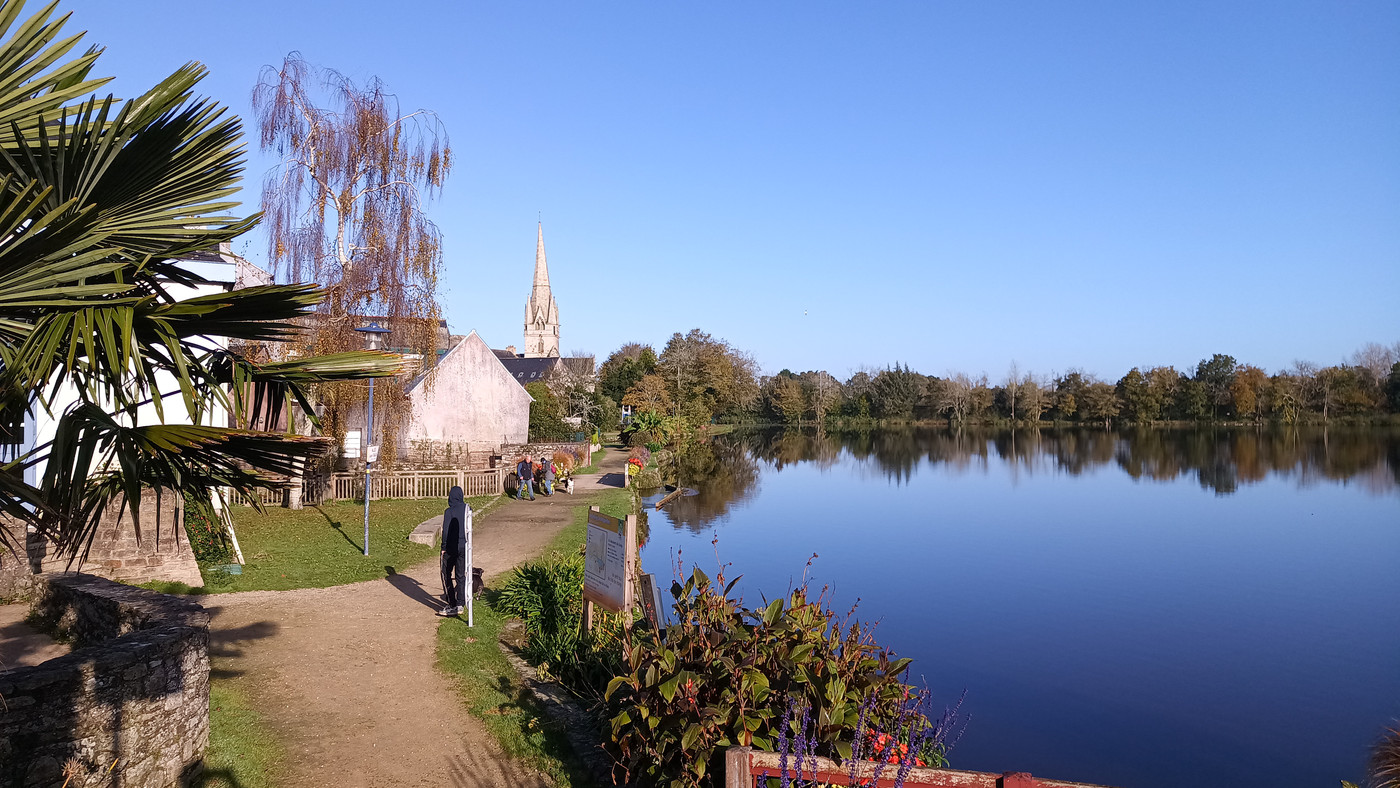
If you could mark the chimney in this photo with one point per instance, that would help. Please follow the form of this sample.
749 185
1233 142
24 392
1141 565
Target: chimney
510 349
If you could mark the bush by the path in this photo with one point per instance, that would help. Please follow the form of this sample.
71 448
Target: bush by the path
725 675
547 595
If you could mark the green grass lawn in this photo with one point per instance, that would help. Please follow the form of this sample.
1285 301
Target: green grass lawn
321 546
490 686
242 752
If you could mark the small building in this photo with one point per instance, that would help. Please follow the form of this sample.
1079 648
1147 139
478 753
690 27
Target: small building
163 552
465 409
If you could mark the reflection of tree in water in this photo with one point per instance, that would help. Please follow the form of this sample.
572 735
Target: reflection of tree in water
722 471
1220 459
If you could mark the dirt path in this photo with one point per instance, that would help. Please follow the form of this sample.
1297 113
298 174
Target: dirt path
346 676
22 645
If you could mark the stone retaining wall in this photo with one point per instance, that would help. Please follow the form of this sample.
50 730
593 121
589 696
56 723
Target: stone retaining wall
16 577
163 552
511 452
128 706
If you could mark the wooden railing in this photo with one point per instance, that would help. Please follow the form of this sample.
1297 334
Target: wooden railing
389 484
749 768
414 484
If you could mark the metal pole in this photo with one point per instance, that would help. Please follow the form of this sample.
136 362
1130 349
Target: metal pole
369 440
471 573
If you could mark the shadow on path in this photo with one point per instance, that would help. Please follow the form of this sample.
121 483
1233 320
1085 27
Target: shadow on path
230 643
412 588
610 480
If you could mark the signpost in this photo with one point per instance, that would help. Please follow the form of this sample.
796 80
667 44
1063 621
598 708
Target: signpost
649 597
610 560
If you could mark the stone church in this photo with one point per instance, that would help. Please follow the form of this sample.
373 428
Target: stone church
542 356
541 311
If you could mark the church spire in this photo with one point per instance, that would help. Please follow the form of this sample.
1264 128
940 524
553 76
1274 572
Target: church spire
541 267
541 312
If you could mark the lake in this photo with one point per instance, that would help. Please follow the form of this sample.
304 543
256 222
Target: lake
1148 609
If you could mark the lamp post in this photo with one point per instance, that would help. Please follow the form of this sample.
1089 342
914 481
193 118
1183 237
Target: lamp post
374 340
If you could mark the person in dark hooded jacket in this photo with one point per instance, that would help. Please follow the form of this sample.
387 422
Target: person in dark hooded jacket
456 521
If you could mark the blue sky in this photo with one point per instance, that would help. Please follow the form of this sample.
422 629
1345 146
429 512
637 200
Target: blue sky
830 185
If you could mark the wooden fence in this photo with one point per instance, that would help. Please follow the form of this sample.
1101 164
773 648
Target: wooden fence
749 768
389 484
415 484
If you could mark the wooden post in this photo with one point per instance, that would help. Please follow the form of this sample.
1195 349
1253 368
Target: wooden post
736 768
629 592
588 604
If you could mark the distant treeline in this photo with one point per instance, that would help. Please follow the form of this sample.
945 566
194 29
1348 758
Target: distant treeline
697 378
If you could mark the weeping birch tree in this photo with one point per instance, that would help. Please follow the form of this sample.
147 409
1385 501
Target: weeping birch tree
345 209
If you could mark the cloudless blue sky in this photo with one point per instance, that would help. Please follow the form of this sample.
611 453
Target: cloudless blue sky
826 185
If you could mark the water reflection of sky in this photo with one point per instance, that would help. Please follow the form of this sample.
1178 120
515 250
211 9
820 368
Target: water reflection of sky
1107 630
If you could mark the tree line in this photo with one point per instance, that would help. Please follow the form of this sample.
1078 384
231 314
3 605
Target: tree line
697 379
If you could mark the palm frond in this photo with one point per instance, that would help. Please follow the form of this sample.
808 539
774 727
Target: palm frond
95 458
33 83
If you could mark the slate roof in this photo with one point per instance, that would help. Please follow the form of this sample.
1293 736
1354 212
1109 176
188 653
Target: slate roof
528 370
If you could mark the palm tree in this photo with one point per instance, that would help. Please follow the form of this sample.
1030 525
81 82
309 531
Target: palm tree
98 197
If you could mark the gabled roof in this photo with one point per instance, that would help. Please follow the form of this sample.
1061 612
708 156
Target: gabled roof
413 384
530 370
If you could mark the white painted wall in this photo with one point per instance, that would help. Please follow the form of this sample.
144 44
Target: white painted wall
472 401
40 427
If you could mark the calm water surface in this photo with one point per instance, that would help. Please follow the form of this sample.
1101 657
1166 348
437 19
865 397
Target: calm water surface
1150 609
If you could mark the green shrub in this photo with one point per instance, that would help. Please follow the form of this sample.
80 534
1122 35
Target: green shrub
207 536
724 675
641 438
547 595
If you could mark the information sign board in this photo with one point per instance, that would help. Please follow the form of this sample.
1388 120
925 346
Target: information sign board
350 448
605 562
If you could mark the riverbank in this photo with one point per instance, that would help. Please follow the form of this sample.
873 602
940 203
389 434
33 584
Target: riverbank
486 681
856 425
347 680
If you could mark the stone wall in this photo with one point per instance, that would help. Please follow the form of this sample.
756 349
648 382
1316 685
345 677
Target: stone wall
15 575
513 451
129 706
162 553
428 454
